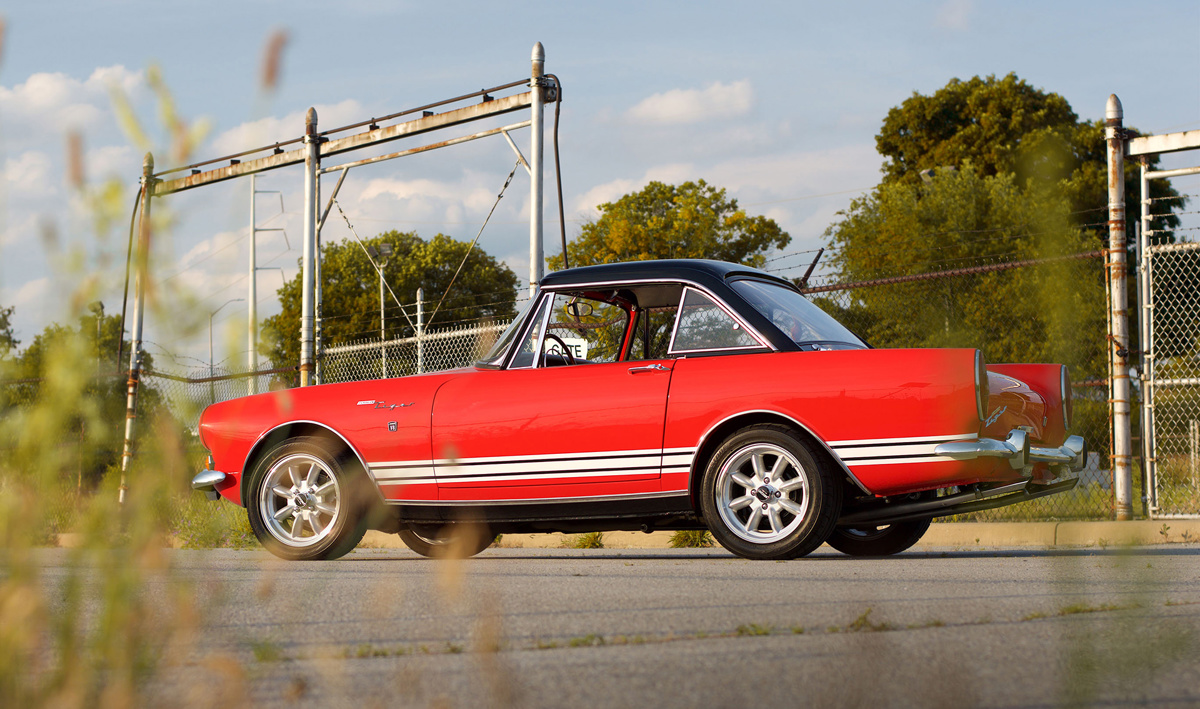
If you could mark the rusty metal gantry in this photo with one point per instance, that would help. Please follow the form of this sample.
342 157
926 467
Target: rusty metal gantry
310 149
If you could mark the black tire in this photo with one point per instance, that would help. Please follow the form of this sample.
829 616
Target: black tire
450 540
800 505
883 540
304 505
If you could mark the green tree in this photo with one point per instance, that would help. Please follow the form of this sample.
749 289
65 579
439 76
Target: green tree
691 220
87 350
958 218
1006 126
485 288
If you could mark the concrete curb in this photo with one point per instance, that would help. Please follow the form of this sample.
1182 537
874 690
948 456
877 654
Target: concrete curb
952 534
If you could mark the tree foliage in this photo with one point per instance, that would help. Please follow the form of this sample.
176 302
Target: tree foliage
485 289
1047 313
691 220
82 359
1006 126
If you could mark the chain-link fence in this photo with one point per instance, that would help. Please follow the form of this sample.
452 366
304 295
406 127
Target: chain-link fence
430 352
1172 378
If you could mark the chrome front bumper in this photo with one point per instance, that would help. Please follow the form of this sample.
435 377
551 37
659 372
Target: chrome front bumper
1016 449
206 481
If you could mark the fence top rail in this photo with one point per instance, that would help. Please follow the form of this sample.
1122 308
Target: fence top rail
1173 248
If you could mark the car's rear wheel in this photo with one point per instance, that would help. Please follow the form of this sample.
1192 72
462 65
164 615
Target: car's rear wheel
304 505
882 540
766 495
448 540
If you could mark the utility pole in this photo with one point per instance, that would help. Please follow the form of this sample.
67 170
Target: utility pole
312 163
1122 454
139 308
536 261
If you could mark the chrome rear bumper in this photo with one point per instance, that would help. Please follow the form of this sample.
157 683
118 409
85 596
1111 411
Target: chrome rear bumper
1016 449
206 481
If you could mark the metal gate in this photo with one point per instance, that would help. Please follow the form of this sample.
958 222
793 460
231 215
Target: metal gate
1171 378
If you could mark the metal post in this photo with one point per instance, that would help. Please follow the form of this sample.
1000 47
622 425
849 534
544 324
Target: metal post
251 297
536 262
382 329
308 278
1119 315
318 293
1145 313
420 331
139 308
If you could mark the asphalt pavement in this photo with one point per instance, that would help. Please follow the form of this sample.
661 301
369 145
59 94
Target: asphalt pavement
520 627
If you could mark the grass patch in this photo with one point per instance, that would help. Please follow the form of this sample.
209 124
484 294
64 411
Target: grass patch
266 650
591 540
753 629
691 539
863 624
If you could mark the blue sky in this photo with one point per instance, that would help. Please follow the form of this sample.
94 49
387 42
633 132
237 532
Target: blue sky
777 101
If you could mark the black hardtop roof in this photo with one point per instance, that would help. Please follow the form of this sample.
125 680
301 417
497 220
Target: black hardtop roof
702 270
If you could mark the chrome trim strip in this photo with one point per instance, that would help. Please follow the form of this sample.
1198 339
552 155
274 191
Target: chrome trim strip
548 477
543 500
549 457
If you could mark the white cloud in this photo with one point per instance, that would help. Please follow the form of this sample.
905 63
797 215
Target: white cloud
954 15
273 129
680 106
28 175
50 103
611 191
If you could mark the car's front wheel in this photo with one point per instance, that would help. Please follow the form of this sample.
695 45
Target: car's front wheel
304 505
766 495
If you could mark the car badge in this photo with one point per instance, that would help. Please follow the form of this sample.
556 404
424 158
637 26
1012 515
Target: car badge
392 426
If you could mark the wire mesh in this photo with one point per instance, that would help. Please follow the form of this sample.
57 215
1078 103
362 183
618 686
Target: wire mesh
436 351
1173 378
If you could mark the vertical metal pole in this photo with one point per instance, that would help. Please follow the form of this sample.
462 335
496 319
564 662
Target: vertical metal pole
318 293
308 276
252 295
420 331
139 309
382 329
1145 313
536 261
1122 434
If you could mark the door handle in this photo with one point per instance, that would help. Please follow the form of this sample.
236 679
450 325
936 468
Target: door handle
649 368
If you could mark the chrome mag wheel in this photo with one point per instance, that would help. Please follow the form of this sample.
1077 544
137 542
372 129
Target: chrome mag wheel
300 500
762 493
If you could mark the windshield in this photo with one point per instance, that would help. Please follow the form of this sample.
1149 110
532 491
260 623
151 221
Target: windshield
495 356
792 313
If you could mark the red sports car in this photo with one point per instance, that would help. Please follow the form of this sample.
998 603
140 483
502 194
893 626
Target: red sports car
656 395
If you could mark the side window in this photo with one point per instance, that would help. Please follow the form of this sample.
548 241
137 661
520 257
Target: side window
652 334
591 330
703 325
